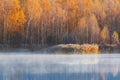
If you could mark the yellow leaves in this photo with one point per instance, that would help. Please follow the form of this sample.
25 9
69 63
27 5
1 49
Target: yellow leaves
15 17
119 0
46 4
59 1
21 15
99 10
1 12
90 49
115 37
104 34
32 7
15 4
88 6
33 12
82 23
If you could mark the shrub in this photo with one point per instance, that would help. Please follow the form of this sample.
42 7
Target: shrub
88 48
76 48
115 38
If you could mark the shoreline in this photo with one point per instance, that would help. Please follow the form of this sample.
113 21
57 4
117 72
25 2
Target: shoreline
104 48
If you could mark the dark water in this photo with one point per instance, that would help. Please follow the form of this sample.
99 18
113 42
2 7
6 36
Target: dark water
59 67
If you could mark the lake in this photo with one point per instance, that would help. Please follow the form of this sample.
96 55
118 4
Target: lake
22 66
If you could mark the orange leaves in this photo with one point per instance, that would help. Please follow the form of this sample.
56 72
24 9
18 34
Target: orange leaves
115 37
104 34
33 12
88 6
99 10
82 23
46 5
59 1
81 19
15 17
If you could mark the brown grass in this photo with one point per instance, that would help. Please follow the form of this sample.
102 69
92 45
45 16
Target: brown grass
90 48
85 48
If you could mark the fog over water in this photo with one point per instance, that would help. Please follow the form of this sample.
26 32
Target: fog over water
49 67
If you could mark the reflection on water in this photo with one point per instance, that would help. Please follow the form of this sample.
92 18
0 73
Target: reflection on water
59 67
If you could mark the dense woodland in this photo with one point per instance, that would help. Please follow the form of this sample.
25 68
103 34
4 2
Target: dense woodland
50 22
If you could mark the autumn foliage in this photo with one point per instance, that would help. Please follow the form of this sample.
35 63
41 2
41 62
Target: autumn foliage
49 22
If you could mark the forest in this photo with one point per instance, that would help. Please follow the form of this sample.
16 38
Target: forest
51 22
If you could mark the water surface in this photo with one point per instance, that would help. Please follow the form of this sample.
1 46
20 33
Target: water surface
59 67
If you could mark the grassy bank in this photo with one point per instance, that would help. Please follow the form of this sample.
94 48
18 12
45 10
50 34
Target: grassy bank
64 48
73 48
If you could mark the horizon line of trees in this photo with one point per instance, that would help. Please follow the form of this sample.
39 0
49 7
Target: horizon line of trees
48 22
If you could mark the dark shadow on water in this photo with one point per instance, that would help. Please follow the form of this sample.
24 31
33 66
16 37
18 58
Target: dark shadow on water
62 76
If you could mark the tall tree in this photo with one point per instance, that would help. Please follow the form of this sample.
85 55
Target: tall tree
104 35
1 20
14 20
45 23
33 14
